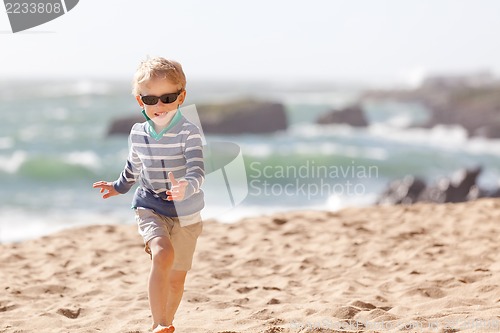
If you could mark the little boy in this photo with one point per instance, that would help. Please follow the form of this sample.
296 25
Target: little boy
166 158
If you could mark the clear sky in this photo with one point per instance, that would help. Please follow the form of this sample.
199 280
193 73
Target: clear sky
378 41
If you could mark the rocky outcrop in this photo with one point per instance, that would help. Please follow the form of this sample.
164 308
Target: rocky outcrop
462 186
402 191
123 125
243 117
477 110
352 115
237 117
458 188
473 104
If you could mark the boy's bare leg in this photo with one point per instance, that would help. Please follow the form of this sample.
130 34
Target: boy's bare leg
158 289
175 291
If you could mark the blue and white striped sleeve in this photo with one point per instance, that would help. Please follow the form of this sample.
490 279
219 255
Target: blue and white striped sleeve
130 173
195 167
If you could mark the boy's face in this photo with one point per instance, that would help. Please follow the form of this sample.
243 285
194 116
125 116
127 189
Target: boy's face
160 113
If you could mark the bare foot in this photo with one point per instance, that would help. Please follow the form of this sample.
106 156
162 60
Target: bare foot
164 329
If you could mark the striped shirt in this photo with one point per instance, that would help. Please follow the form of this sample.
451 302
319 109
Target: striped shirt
152 156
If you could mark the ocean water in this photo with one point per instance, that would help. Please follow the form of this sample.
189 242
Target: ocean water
53 146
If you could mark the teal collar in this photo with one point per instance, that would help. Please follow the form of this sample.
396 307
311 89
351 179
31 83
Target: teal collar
173 122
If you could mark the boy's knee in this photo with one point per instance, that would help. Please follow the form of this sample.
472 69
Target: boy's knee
163 257
162 252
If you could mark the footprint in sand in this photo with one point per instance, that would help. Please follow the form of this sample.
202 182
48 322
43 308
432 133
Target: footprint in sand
69 313
198 299
346 312
363 305
244 290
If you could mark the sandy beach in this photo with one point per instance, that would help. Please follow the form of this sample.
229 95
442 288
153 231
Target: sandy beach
421 268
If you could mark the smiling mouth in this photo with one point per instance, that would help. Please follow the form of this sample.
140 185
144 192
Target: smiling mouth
158 114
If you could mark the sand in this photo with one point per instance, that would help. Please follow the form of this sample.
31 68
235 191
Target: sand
421 268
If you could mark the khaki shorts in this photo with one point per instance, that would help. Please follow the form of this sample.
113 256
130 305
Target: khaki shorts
152 225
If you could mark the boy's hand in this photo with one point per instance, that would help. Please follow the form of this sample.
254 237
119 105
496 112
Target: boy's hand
178 189
106 186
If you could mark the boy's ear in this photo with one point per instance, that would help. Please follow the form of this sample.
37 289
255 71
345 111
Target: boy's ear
138 98
182 97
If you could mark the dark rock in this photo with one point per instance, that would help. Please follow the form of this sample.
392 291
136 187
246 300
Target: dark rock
472 102
459 188
404 191
352 115
456 189
491 131
461 185
477 192
123 125
474 107
435 193
238 117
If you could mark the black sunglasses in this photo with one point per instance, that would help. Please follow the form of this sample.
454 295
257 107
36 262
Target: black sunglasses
165 99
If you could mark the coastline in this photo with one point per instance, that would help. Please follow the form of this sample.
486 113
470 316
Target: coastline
380 268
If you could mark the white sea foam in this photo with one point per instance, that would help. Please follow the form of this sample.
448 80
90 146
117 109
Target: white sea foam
257 149
478 146
450 138
396 114
333 148
37 224
11 164
6 143
439 136
445 137
19 224
317 131
400 121
88 159
333 203
337 202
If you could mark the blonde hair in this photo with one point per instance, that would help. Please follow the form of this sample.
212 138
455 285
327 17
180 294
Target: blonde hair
158 68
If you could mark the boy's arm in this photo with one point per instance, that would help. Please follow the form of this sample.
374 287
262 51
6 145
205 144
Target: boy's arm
130 173
195 168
